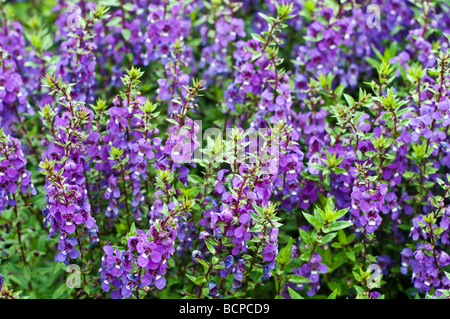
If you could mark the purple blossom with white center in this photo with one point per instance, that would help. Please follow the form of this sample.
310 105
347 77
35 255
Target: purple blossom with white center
142 263
312 270
13 173
367 204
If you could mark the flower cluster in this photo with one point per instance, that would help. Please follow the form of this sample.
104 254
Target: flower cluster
78 61
13 172
311 270
68 209
13 94
141 264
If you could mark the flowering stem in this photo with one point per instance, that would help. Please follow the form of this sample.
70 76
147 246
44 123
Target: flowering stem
203 204
434 245
252 263
126 195
138 283
80 244
419 100
219 249
19 235
441 90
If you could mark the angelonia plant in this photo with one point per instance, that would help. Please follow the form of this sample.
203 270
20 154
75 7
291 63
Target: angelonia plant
225 149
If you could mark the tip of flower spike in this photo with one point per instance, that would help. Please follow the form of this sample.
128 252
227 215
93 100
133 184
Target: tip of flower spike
135 73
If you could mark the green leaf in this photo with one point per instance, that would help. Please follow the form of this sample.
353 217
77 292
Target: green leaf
305 236
349 99
197 280
350 254
128 7
210 247
126 34
327 238
339 90
132 230
172 121
60 291
342 238
294 294
338 170
285 256
313 221
333 295
408 175
336 226
204 264
370 154
297 279
338 214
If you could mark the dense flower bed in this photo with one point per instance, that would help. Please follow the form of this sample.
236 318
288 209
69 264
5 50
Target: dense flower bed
224 149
